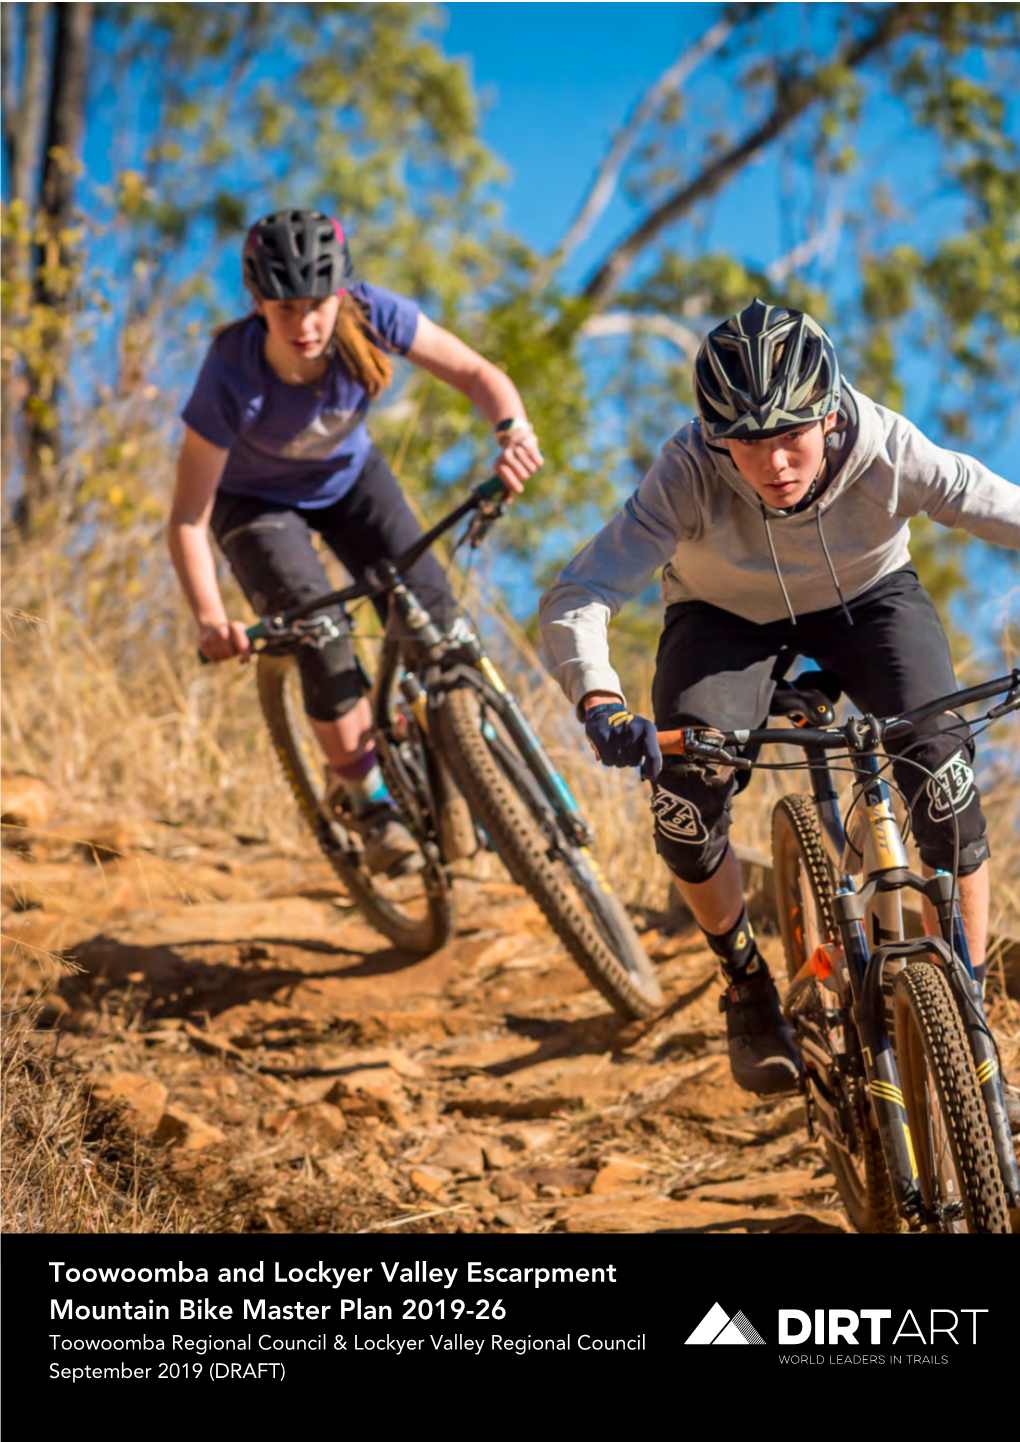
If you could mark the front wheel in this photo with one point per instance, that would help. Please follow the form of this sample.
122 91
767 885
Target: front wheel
562 877
414 912
804 894
952 1140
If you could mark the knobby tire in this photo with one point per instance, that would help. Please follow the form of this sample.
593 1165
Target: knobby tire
303 769
798 858
577 915
945 1109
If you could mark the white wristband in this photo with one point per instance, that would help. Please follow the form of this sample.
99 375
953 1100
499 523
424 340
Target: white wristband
507 432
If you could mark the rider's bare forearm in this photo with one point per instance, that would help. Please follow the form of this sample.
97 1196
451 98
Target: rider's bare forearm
196 570
447 357
494 394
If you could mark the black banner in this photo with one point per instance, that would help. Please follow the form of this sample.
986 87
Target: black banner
257 1313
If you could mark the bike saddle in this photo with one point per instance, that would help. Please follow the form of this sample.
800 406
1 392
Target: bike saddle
808 700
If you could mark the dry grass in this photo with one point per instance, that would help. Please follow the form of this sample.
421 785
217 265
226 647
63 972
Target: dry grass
70 1166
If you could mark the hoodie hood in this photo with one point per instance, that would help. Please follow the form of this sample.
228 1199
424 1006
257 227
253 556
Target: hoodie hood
846 458
764 563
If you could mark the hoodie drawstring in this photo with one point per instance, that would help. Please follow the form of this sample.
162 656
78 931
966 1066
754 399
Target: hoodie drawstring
832 571
775 566
779 575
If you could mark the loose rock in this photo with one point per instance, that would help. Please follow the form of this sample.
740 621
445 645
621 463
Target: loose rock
143 1099
178 1128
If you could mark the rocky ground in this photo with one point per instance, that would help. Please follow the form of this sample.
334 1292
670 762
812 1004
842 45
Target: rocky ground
288 1070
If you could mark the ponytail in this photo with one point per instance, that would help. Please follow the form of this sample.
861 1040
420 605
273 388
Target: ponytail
361 349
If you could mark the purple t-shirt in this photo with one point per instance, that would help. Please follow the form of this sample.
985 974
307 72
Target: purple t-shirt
302 445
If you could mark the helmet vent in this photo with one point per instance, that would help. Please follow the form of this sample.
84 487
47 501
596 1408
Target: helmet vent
296 254
764 371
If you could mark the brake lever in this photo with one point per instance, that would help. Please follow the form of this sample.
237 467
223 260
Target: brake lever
1011 703
486 516
718 756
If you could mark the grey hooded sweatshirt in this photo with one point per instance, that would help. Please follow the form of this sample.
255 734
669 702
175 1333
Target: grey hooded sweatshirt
717 541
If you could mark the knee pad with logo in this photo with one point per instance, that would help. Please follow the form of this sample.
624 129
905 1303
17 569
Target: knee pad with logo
945 809
692 822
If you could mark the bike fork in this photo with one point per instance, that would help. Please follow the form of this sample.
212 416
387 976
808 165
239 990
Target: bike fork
879 1059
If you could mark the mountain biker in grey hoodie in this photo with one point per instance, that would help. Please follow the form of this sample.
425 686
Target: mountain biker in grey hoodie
780 518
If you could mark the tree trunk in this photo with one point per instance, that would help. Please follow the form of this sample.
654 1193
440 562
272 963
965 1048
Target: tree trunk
26 120
54 273
24 97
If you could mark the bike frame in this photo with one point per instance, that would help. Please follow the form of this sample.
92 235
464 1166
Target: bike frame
446 661
461 661
873 845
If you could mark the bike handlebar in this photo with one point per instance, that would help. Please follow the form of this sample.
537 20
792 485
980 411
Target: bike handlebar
859 733
489 494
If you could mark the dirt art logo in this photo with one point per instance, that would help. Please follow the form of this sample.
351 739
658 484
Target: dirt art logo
951 789
677 818
718 1329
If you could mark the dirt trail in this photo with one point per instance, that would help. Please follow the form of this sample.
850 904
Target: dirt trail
298 1073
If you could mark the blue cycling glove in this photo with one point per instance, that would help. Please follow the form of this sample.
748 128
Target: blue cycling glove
619 738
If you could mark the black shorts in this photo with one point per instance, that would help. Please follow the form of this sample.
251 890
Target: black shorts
269 547
716 669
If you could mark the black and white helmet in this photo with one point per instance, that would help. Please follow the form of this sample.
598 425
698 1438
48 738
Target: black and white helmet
296 254
765 370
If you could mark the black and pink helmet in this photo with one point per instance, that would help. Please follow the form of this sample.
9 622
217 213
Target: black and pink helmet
296 254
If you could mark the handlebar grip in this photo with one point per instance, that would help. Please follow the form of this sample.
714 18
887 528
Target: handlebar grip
254 633
671 743
491 490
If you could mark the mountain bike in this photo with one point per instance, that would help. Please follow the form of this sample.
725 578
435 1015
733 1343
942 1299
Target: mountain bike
902 1076
464 766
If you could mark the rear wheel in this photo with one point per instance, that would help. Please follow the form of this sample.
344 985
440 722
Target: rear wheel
952 1140
414 912
804 892
563 878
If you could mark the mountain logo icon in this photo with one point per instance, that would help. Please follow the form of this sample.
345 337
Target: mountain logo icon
717 1329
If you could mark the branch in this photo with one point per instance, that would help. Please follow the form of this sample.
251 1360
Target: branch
671 80
624 322
792 100
807 250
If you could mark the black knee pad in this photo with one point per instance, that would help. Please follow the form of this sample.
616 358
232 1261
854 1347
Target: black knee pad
692 822
948 823
332 682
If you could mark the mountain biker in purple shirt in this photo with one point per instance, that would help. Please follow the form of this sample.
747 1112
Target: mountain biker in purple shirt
780 518
276 448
